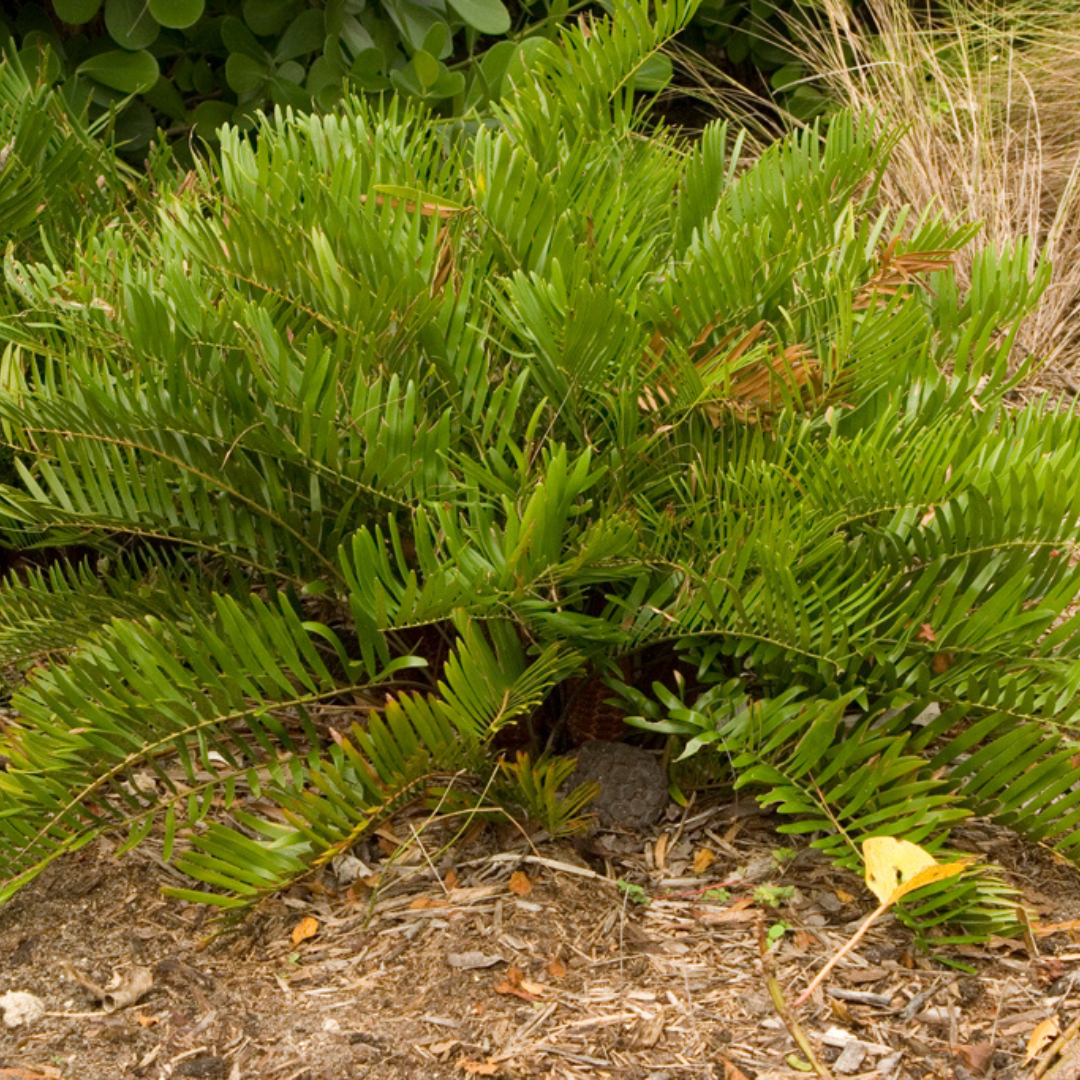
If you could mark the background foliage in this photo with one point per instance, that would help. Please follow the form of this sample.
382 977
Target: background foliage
197 64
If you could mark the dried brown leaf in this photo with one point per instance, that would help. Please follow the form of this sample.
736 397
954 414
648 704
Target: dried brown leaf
703 859
306 928
1043 1035
520 885
477 1068
660 851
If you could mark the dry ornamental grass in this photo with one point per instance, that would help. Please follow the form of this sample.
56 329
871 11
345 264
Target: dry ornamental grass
988 96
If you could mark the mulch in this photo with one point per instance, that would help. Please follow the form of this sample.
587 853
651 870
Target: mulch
643 956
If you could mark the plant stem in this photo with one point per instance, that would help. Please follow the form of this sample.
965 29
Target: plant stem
856 938
782 1011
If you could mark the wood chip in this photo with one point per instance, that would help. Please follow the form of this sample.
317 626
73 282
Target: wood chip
469 961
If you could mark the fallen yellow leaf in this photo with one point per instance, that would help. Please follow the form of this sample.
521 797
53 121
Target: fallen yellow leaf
895 868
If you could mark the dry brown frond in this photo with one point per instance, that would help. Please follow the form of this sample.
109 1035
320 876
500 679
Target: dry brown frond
427 209
445 264
772 382
740 377
895 271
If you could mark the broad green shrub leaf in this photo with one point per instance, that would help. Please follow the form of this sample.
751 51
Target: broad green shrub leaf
134 126
426 67
754 39
285 89
76 12
42 61
488 74
437 42
305 34
654 74
264 53
413 21
208 117
269 17
166 99
131 24
487 16
238 39
324 80
449 84
177 14
247 75
128 72
355 36
365 71
785 76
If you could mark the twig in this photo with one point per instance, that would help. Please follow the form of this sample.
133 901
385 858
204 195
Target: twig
99 992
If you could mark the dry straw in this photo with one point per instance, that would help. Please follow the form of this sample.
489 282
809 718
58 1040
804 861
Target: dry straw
989 99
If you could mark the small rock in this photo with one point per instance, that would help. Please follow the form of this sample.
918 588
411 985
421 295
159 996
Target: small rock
347 868
19 1007
633 786
204 1067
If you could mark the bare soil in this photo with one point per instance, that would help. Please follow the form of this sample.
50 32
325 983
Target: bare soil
500 956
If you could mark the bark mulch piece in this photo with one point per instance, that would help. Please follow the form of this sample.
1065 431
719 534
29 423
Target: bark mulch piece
618 955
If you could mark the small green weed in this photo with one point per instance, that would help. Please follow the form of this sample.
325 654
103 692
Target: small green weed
782 856
776 932
773 895
719 896
634 893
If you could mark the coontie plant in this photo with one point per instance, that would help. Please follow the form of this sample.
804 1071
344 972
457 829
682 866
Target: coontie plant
379 422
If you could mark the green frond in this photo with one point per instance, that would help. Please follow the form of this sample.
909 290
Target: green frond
55 171
539 788
403 753
586 84
188 711
46 613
